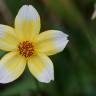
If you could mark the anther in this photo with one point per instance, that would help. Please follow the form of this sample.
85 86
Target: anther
26 48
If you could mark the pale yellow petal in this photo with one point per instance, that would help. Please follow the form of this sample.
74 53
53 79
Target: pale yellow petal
42 68
51 42
12 66
27 22
8 39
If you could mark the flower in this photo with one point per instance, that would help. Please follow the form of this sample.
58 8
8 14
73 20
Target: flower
26 46
94 13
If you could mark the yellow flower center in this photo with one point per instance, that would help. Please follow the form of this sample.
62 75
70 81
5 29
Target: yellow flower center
26 48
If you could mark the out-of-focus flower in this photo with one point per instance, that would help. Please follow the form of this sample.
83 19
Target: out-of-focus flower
26 46
94 13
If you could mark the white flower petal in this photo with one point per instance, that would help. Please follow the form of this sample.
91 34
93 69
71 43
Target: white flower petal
12 66
8 40
51 42
94 13
42 68
27 22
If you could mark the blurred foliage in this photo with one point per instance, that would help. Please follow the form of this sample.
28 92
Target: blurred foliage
75 67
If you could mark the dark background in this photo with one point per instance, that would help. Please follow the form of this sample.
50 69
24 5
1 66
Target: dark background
75 67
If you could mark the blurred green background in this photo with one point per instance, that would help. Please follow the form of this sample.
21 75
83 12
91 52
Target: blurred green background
75 67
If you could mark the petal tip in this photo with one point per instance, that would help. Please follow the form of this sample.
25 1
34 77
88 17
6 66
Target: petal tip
27 12
46 77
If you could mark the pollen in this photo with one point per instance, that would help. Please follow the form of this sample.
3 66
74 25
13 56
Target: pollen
26 48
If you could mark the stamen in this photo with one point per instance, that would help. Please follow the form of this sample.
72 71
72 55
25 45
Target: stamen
26 48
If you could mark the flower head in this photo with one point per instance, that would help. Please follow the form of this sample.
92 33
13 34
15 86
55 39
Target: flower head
26 46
